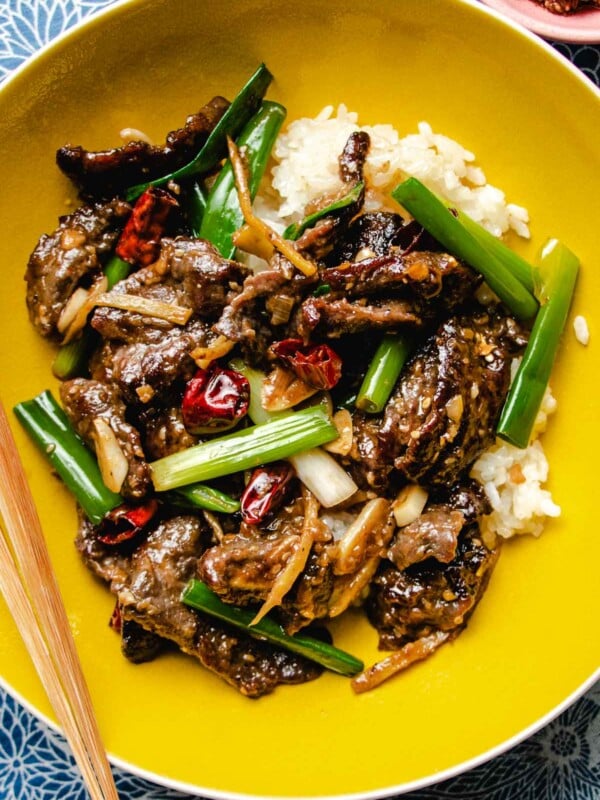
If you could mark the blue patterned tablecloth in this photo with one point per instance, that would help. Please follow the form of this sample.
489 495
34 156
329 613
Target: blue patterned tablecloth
561 762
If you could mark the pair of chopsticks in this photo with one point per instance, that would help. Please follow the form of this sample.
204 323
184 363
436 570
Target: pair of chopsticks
31 592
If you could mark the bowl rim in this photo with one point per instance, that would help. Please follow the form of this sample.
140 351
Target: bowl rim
482 7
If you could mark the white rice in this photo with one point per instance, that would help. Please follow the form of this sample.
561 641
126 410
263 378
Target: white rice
306 167
582 331
513 480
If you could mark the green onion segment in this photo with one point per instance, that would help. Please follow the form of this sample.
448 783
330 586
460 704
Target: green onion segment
198 596
459 240
49 428
244 449
223 216
558 271
383 372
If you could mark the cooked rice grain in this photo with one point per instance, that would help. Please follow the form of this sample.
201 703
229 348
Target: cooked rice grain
306 157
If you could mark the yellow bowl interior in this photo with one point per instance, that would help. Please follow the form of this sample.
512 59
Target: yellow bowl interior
534 127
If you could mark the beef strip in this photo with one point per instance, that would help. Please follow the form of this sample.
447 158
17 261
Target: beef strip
148 583
144 368
87 400
189 273
434 534
62 260
107 173
241 569
443 412
375 233
405 605
139 645
403 291
163 431
156 353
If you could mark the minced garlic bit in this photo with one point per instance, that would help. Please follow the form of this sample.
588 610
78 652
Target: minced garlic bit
582 332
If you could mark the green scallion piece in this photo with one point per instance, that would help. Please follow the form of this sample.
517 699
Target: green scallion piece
49 428
223 215
198 596
515 263
198 495
243 107
441 223
558 272
296 229
384 370
245 449
196 206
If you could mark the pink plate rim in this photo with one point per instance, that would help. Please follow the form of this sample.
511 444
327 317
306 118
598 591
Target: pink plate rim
581 27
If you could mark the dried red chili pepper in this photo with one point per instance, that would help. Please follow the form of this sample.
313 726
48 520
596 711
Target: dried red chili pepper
316 364
215 400
139 243
265 492
125 522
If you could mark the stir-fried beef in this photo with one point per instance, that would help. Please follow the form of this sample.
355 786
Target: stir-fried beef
189 273
376 233
144 369
85 402
444 410
163 432
373 272
107 173
353 157
405 605
308 599
388 292
148 583
71 255
242 568
139 645
434 534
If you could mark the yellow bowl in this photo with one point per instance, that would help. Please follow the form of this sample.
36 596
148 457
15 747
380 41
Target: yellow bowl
533 642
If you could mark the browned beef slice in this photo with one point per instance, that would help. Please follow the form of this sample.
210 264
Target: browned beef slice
403 292
405 605
309 597
157 365
242 568
87 400
339 317
70 255
376 233
108 172
188 273
369 466
164 433
434 534
444 410
139 645
148 583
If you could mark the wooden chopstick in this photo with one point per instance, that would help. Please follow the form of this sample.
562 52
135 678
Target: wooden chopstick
29 586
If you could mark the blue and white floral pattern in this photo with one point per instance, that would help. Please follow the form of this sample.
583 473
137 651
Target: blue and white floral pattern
561 762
